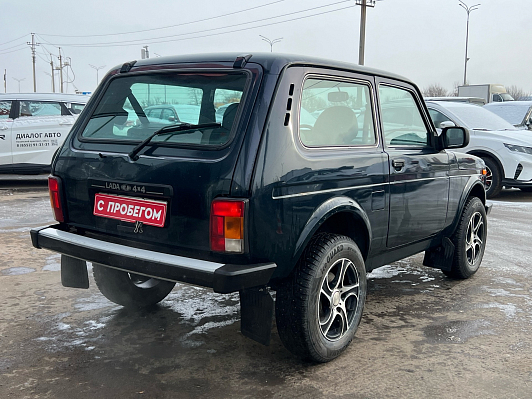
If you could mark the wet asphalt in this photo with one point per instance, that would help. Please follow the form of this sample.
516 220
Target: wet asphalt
422 334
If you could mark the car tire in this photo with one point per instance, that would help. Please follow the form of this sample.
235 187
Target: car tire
128 289
469 240
319 306
493 178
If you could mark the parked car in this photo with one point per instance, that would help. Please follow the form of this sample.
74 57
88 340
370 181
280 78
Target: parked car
271 198
506 150
471 100
518 113
32 127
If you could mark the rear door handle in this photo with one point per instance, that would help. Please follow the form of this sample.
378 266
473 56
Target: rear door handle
398 164
66 123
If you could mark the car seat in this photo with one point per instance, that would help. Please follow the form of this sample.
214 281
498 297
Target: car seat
335 126
220 135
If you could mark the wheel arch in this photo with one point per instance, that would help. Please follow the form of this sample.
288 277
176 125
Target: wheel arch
338 215
473 188
495 158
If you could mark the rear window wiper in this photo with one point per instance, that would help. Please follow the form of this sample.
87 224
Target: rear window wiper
171 129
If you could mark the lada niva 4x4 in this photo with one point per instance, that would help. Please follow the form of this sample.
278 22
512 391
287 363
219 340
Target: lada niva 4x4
316 173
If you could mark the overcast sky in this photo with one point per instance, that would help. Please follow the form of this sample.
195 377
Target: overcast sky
423 40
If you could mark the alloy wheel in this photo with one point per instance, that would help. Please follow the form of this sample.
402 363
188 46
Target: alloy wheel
338 299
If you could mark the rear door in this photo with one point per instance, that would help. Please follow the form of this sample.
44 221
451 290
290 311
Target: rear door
39 129
6 123
178 174
419 174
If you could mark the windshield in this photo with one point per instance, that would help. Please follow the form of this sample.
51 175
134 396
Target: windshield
134 107
515 114
475 117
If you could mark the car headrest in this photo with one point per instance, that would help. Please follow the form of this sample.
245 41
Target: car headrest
229 116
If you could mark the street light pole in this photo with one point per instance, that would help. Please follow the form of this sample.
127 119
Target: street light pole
97 69
19 80
469 10
271 42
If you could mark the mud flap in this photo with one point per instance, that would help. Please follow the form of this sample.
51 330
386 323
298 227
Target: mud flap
440 257
74 272
256 313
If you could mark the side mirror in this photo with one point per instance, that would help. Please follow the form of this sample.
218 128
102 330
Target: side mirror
454 137
171 118
446 124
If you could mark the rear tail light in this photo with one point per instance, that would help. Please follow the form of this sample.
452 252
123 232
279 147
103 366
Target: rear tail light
227 226
54 185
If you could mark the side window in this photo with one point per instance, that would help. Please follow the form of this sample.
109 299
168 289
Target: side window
5 109
76 108
39 108
437 117
402 123
336 113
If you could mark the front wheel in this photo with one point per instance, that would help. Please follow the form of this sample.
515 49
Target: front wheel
319 307
128 289
493 178
469 240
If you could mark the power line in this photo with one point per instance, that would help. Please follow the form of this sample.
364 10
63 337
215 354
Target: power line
157 39
171 26
12 51
14 40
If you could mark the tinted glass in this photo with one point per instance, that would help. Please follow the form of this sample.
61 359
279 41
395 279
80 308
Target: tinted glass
5 109
402 123
39 108
134 107
335 113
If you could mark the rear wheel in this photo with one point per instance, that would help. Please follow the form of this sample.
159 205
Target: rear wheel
319 307
469 240
128 289
493 178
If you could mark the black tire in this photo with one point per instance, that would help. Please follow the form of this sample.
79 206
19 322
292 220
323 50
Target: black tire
526 189
308 321
469 240
493 178
130 290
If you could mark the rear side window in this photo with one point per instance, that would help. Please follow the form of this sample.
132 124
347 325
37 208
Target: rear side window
402 123
5 109
335 113
39 108
134 107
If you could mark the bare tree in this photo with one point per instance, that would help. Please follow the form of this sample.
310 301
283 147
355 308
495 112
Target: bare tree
517 92
435 90
454 93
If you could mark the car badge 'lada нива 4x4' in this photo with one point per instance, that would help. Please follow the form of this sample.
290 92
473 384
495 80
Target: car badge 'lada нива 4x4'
316 173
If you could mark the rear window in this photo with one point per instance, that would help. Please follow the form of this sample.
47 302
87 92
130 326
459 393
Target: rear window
134 107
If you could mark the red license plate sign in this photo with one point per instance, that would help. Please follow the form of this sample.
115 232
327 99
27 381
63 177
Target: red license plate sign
133 210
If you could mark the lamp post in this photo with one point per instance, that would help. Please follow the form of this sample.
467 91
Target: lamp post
97 69
271 42
19 80
469 10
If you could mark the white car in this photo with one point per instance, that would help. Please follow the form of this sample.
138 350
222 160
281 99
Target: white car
33 126
506 150
518 113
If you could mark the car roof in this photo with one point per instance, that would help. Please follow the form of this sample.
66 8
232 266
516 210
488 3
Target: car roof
508 104
69 98
272 63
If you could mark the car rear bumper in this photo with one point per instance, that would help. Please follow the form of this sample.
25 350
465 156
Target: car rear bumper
223 278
